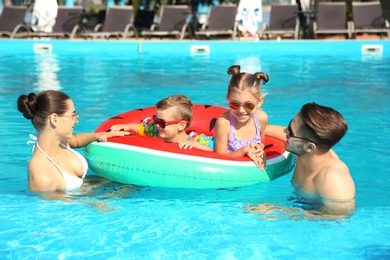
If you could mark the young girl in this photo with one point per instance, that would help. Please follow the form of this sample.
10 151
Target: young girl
241 130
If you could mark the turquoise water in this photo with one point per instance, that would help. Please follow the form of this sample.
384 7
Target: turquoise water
117 221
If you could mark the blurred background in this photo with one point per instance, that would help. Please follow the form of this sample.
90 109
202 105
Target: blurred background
94 11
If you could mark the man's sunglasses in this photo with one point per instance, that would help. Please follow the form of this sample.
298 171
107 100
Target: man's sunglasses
248 105
162 123
290 134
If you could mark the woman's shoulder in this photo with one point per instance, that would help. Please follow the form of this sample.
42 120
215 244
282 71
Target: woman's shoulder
41 175
39 166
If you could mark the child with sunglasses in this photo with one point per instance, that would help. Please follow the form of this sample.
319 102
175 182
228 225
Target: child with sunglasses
240 131
173 117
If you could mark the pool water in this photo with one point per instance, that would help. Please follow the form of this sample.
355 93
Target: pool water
117 221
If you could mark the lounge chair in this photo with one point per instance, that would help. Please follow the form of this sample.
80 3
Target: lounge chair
11 20
221 22
283 21
66 25
367 18
331 18
173 23
117 23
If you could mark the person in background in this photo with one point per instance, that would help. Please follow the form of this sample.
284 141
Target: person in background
173 117
54 165
44 15
321 180
240 131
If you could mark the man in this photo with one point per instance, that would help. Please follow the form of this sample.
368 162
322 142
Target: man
320 178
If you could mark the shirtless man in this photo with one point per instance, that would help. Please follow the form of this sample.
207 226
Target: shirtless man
320 178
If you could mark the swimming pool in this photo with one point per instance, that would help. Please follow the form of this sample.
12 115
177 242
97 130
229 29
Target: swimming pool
125 222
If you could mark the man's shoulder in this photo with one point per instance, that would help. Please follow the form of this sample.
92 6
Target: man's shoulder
334 180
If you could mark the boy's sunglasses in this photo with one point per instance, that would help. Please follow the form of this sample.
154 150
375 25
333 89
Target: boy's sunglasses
162 123
248 105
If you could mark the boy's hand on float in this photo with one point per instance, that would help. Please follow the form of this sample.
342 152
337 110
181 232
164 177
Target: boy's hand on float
119 127
188 144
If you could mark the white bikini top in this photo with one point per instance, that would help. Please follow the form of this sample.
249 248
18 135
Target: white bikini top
71 182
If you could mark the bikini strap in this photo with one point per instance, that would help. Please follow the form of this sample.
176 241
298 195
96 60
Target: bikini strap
232 123
257 123
34 141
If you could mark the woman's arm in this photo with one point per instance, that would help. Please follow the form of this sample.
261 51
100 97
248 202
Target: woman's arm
82 139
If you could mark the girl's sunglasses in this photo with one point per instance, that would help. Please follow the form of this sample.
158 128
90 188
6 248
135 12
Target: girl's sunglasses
162 123
248 105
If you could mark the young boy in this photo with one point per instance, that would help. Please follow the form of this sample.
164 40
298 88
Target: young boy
173 117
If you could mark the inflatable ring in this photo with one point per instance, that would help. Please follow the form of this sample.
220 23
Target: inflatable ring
148 161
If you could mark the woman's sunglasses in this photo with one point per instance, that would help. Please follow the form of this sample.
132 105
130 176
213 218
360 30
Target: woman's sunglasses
248 105
162 123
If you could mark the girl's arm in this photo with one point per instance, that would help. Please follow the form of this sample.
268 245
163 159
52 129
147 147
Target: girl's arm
222 130
263 120
276 131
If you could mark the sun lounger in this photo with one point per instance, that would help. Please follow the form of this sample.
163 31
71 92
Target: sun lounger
117 23
11 20
283 22
66 24
367 18
331 19
221 22
173 23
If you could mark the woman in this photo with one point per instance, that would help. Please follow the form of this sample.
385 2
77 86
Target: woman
55 166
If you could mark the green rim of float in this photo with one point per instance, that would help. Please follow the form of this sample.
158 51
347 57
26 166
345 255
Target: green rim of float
148 161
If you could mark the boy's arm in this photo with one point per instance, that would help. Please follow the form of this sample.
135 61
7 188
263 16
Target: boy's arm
125 127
